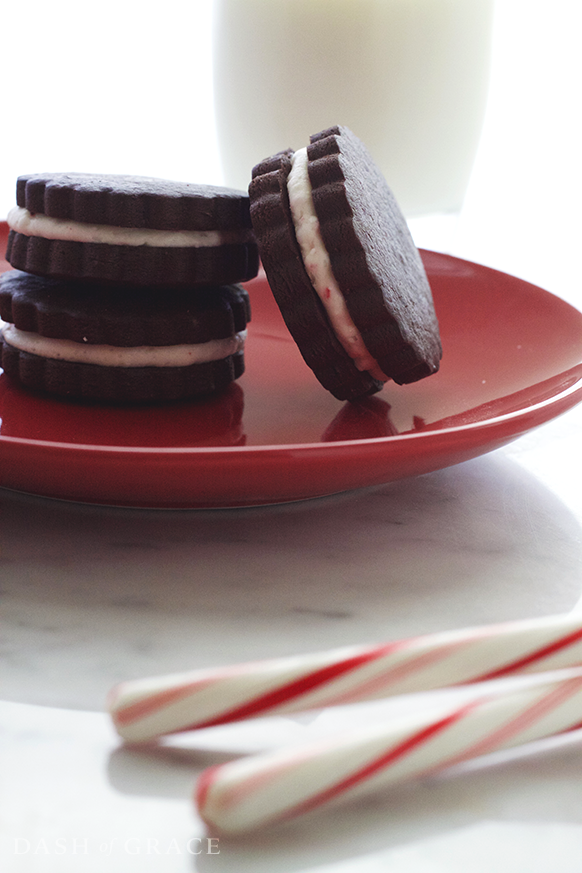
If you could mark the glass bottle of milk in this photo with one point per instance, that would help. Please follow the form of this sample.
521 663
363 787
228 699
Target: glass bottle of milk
409 77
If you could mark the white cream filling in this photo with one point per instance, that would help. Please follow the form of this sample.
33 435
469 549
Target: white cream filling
318 266
117 356
37 224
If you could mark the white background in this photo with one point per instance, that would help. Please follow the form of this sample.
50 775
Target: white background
126 86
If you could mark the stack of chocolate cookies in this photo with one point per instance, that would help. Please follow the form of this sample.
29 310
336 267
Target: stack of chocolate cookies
126 289
123 288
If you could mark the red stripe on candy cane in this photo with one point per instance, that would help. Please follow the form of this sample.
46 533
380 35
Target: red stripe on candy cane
204 783
154 702
256 706
395 674
532 657
311 681
290 691
518 723
406 747
239 793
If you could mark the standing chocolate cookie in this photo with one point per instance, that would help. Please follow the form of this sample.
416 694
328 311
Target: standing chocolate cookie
343 267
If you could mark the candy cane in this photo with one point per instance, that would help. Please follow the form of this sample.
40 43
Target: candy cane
148 708
262 789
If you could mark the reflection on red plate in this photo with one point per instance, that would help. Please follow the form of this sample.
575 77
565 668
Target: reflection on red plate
366 418
216 422
512 360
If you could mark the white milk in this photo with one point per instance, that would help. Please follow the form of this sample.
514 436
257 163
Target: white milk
409 77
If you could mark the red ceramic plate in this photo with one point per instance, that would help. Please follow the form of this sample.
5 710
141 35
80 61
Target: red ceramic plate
512 360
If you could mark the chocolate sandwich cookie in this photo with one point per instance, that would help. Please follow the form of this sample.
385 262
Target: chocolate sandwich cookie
119 344
343 267
131 230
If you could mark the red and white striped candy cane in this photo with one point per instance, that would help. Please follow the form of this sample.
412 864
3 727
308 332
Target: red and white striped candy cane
148 708
262 789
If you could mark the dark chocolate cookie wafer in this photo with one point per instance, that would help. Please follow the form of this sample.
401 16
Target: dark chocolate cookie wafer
131 230
121 385
333 241
119 316
133 201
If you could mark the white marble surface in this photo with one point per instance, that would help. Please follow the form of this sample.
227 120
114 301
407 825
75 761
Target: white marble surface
91 595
